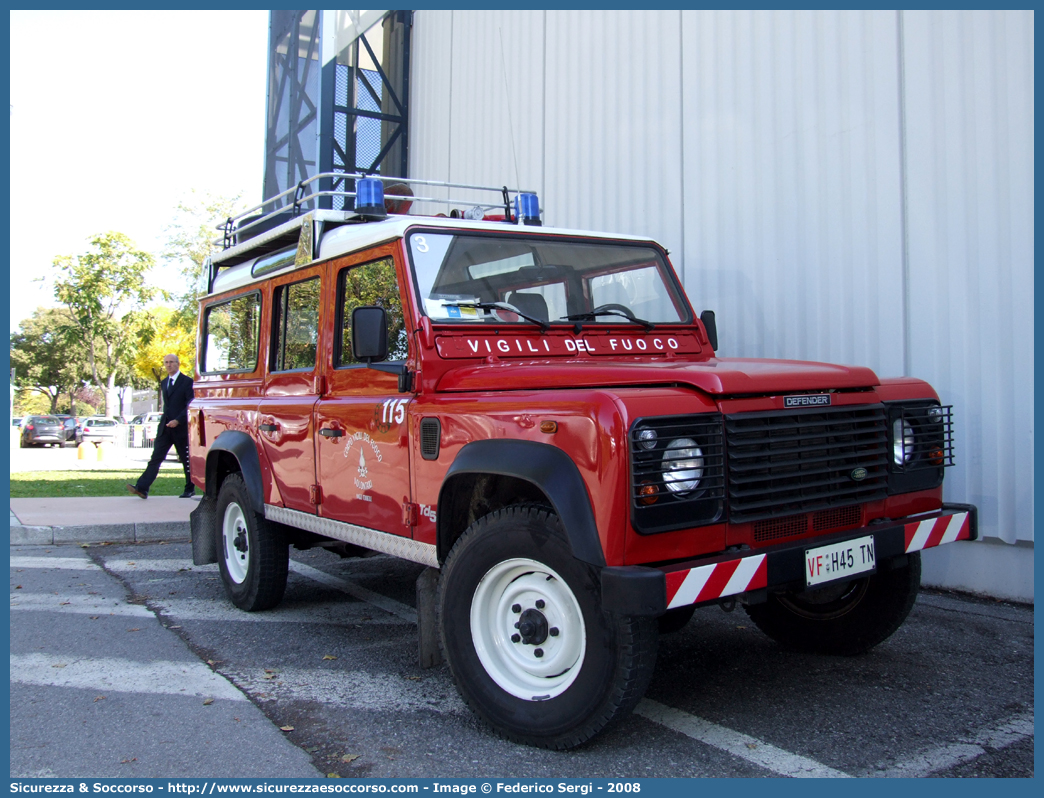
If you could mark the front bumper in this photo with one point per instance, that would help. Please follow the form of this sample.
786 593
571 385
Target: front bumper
638 590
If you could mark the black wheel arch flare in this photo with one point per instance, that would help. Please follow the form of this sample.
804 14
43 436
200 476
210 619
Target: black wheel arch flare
244 449
548 469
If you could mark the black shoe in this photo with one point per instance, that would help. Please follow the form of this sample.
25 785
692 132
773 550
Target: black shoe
188 494
139 493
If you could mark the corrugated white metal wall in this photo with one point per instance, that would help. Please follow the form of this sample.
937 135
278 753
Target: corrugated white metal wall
853 187
969 188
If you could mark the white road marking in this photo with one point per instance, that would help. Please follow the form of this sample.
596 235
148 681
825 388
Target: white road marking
329 613
122 676
352 689
61 563
943 757
741 745
403 611
131 566
80 605
396 608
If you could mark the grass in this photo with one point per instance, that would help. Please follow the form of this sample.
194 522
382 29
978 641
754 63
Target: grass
96 482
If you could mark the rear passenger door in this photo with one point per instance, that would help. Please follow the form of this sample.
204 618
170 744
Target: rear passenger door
362 438
285 414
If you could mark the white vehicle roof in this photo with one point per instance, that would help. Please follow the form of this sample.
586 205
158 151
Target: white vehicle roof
357 236
316 235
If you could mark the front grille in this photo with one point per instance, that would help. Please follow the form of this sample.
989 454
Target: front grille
776 528
837 518
785 463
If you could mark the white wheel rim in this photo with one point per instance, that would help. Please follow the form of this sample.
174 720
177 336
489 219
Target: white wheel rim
506 592
234 527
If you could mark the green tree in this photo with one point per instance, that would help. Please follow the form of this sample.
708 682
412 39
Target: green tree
160 334
190 241
105 291
47 356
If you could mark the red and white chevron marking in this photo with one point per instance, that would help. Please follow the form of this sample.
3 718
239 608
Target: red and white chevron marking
709 582
936 531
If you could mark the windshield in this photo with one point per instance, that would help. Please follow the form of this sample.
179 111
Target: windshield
548 280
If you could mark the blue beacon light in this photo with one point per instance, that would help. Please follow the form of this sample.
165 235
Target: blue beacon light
369 197
527 209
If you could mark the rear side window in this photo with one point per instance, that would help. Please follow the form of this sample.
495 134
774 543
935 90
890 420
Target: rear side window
231 334
372 283
296 335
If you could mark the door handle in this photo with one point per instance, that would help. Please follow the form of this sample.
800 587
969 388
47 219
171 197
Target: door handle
268 427
328 432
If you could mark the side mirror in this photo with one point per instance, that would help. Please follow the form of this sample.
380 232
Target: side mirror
707 317
369 334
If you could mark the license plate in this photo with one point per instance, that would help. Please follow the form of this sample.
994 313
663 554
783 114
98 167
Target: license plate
839 560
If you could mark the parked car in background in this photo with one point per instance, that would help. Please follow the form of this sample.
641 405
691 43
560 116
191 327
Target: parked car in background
147 418
150 421
42 431
97 429
68 427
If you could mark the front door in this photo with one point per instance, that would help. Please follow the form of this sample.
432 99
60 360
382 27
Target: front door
285 415
362 440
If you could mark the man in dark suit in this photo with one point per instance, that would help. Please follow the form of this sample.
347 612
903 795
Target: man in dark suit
173 429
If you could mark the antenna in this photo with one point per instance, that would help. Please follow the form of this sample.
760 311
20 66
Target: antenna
507 93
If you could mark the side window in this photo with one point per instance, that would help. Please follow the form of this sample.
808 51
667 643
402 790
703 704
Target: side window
371 284
231 334
296 333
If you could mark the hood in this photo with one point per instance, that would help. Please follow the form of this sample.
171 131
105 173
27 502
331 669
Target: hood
717 376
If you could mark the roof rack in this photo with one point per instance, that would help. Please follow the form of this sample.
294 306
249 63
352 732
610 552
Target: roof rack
256 232
235 226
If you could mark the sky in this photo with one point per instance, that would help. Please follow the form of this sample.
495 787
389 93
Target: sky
116 117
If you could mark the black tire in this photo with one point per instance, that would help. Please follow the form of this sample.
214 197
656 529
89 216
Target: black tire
254 578
845 619
598 664
675 620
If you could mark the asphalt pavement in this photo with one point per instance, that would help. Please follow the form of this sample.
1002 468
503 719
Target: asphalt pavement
128 661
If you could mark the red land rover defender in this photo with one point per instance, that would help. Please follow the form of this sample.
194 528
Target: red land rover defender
538 414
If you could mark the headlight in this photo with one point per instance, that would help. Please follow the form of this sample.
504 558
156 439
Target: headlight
902 442
682 466
647 438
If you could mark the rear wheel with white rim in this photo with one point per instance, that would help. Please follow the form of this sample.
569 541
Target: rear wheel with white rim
524 634
253 554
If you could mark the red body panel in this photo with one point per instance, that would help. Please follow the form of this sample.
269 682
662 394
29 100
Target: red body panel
593 384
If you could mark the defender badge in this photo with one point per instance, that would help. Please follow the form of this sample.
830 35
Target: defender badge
817 400
858 474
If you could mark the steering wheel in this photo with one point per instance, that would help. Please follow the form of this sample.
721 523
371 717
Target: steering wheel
614 306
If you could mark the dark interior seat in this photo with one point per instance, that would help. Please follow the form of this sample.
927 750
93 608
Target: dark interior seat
531 304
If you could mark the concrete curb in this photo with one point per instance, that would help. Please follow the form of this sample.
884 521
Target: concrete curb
171 531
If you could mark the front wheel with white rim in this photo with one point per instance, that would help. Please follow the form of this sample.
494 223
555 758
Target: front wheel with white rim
253 554
525 636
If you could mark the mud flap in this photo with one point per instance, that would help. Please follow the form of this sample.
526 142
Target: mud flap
202 524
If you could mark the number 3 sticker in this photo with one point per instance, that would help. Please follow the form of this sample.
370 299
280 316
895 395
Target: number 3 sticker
420 243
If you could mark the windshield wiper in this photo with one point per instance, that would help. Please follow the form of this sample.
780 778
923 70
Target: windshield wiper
611 310
544 326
